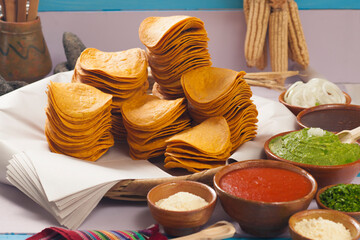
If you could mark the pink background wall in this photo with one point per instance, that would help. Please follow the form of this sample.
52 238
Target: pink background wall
333 36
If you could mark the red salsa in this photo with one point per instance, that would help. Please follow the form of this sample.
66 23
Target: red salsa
266 184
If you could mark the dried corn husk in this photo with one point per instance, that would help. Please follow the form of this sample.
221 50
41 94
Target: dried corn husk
257 17
272 80
278 37
297 43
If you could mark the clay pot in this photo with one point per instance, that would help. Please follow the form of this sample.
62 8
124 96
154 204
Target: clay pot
296 109
262 219
24 55
180 223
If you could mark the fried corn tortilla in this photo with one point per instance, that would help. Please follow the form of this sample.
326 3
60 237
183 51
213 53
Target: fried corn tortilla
178 151
211 136
130 63
122 74
149 121
174 44
191 166
206 84
153 30
213 92
150 112
77 100
143 137
78 120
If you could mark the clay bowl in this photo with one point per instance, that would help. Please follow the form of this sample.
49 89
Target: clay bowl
351 224
296 110
180 223
262 219
330 117
355 215
324 175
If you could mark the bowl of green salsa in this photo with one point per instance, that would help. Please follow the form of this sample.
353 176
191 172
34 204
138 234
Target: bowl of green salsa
341 197
318 151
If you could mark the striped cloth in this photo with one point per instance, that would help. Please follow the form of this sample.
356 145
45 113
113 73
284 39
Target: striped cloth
57 233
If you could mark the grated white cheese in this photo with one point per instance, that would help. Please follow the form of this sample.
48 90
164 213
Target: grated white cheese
181 201
322 229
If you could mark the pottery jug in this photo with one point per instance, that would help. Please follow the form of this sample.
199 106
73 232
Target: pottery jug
24 55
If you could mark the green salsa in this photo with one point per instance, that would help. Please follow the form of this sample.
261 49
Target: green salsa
314 146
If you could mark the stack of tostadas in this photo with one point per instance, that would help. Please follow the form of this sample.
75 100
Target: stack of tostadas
78 120
175 44
122 74
204 146
212 91
150 121
197 116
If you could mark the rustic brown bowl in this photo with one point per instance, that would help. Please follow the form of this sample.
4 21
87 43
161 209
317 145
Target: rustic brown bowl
180 223
332 215
330 117
355 215
296 110
262 219
324 175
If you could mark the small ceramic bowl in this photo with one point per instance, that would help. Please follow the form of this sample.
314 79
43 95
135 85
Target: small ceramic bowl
330 117
180 223
296 110
262 219
324 175
355 215
351 224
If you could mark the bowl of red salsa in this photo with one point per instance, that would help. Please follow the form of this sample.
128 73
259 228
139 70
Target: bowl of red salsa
261 195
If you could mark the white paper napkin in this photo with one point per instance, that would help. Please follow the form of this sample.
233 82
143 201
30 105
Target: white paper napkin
273 118
70 188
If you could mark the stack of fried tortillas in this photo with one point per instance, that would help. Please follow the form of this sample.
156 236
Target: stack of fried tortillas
149 121
122 74
175 45
78 120
213 92
204 146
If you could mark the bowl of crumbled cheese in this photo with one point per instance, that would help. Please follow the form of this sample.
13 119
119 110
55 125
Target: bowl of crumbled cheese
181 207
321 224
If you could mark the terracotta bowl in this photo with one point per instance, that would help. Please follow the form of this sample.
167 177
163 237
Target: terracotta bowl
355 215
179 223
351 224
262 219
330 117
324 175
296 110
